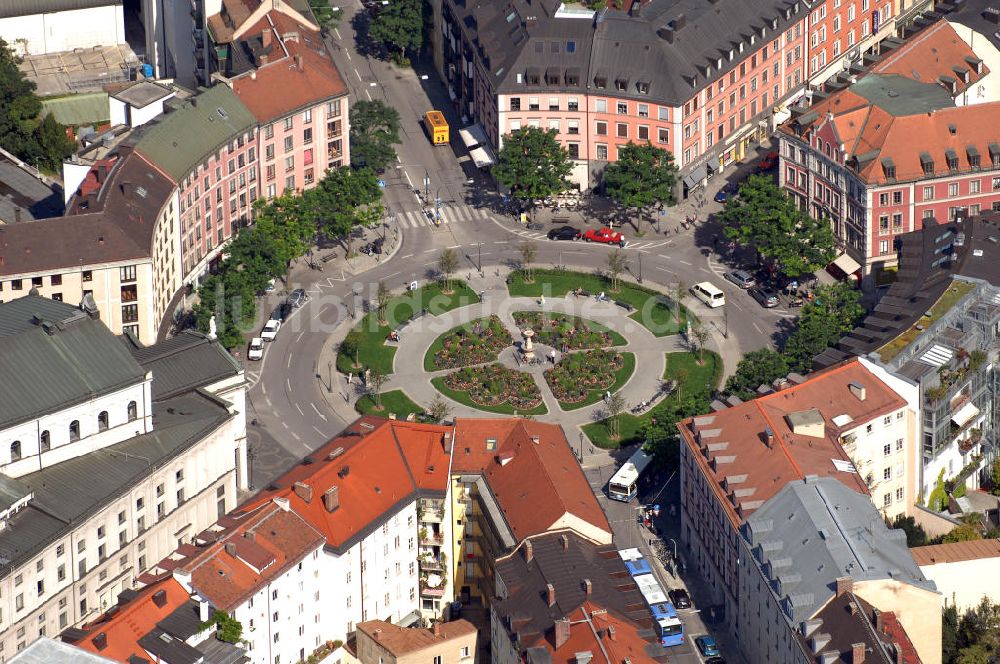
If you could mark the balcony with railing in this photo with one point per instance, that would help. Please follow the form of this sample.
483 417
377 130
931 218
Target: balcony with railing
432 563
431 537
430 512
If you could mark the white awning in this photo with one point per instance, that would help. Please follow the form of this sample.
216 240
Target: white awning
481 157
965 414
474 134
846 264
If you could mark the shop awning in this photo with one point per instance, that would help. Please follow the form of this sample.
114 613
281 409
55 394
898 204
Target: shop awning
467 137
481 157
846 264
472 135
965 414
695 177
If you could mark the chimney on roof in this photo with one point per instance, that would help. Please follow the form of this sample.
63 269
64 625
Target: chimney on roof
680 21
253 74
265 38
611 632
436 629
299 63
303 491
377 634
561 632
250 536
529 551
102 171
160 598
857 653
262 59
858 390
877 621
446 438
550 594
588 587
564 541
845 584
17 214
231 548
100 641
331 499
535 439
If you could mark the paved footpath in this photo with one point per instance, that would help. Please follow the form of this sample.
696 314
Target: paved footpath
416 337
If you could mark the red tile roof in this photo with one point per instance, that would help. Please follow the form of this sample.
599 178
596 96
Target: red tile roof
740 462
932 53
896 633
375 466
401 641
589 631
956 552
304 78
264 544
535 484
132 620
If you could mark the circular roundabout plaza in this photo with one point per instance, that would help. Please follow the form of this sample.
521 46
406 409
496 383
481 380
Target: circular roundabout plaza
549 345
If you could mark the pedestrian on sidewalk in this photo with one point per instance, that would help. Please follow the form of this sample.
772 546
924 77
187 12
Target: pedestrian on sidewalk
552 356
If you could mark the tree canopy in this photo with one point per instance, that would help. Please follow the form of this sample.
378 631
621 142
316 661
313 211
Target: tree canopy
374 130
284 229
973 637
834 312
399 24
644 175
759 367
39 141
533 164
765 218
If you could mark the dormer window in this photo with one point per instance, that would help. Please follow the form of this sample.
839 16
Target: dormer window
600 82
44 441
926 163
15 451
973 156
889 169
621 84
642 87
952 158
732 54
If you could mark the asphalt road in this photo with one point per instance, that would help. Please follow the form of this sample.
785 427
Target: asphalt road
288 399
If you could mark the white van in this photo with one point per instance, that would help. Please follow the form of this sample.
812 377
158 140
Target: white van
709 294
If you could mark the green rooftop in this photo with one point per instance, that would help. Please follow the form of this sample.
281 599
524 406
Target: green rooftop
181 139
900 95
80 109
952 295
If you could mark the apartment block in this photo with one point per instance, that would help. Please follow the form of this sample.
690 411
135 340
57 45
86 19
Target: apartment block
380 642
109 468
964 572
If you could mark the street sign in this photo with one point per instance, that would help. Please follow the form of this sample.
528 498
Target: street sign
381 183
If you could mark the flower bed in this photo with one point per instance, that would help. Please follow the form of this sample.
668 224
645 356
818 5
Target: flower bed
566 332
577 375
476 342
493 385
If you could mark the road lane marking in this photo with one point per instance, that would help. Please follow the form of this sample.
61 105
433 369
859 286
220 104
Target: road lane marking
338 35
321 415
288 365
502 242
684 262
408 256
299 408
295 436
457 246
298 338
288 384
316 429
757 327
368 94
359 75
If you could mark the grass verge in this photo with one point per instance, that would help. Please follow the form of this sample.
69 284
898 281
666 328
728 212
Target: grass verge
393 401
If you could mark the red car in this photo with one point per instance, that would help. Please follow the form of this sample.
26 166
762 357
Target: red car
769 161
606 236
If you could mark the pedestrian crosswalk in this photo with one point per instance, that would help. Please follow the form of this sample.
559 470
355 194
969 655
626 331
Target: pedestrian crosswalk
450 214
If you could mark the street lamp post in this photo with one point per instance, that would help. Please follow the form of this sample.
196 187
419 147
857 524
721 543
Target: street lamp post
479 246
674 542
427 185
581 447
329 376
640 267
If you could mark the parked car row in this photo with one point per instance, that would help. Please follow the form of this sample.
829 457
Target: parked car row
605 235
274 322
765 296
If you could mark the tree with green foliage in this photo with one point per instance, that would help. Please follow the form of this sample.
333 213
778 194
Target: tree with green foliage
834 312
376 379
915 533
660 432
346 198
447 264
399 25
643 176
678 292
35 139
616 263
374 130
699 337
765 218
351 345
227 628
439 410
382 297
972 637
758 367
533 165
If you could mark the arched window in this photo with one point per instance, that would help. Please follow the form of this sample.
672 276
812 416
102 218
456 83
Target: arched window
15 450
74 430
102 421
44 442
133 411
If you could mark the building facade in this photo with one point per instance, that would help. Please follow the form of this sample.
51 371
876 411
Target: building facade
106 475
380 642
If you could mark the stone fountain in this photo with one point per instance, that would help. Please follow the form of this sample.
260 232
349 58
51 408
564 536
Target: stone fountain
528 348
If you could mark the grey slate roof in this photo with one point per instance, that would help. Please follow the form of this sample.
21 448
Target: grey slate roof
183 362
49 651
814 531
45 371
617 44
180 139
11 8
71 491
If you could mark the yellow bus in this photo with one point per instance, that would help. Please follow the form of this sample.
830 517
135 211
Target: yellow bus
437 127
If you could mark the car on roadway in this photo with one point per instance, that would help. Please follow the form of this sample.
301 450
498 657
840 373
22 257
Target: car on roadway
766 297
297 298
707 646
680 598
769 161
721 196
256 350
564 233
741 278
270 330
605 235
715 660
281 312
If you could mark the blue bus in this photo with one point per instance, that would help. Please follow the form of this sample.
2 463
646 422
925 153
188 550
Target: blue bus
669 628
634 562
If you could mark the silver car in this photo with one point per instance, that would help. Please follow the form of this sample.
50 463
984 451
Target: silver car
741 278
